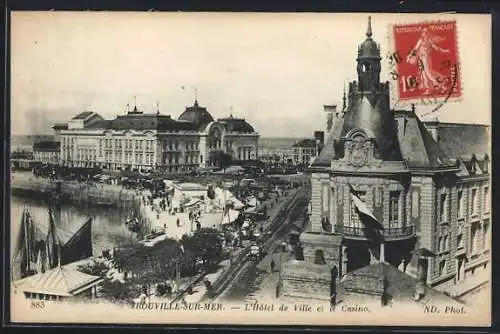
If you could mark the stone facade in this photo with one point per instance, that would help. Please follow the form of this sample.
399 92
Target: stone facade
415 198
146 142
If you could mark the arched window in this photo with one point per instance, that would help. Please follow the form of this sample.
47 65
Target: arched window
325 223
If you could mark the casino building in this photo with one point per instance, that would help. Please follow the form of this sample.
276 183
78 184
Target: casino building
433 203
148 142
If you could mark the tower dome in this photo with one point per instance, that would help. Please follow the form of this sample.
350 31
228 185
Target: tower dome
369 48
198 116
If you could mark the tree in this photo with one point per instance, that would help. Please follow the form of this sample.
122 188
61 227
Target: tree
220 159
94 268
117 291
205 244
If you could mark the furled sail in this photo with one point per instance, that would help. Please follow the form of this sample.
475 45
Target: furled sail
29 243
53 243
38 252
79 247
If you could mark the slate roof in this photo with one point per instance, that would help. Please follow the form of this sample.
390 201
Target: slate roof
47 145
198 116
236 125
464 139
418 147
324 159
149 122
194 118
83 115
60 126
59 281
398 285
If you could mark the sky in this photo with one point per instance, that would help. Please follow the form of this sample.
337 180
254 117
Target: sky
275 70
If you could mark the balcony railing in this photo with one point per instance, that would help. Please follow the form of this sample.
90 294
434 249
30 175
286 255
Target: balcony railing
389 233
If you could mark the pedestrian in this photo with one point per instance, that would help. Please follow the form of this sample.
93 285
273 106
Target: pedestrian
178 222
273 265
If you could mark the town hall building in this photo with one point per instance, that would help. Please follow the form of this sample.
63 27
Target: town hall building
433 205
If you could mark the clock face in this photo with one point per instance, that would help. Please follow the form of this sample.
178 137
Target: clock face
365 67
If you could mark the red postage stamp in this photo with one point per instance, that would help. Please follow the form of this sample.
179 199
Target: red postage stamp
425 62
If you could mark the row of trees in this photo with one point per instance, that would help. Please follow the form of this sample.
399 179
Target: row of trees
167 260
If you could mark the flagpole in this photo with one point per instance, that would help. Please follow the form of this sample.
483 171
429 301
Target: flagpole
382 251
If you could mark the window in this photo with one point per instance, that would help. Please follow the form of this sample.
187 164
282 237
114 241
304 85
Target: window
415 202
460 208
474 201
355 222
319 258
475 235
460 241
445 243
486 199
394 208
440 245
443 208
486 232
326 197
442 267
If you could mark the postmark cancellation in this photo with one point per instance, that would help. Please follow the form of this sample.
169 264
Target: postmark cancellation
424 63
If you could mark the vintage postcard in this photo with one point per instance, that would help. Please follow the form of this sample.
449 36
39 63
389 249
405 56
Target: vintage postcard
239 168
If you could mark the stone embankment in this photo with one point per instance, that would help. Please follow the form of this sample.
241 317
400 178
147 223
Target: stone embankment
97 194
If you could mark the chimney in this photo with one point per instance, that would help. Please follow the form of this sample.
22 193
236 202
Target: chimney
319 138
422 268
432 126
330 111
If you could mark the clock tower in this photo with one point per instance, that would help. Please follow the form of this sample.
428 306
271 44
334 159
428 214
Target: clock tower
368 63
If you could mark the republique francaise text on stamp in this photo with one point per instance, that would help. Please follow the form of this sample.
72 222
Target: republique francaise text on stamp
424 63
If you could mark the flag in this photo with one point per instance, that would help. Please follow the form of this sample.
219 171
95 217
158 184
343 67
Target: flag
79 247
366 216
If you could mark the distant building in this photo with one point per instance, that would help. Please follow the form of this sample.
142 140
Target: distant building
276 150
24 143
46 152
426 184
304 151
139 141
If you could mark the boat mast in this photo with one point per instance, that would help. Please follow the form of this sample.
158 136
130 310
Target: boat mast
26 241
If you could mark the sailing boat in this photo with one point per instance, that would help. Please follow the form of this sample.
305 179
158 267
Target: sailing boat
38 252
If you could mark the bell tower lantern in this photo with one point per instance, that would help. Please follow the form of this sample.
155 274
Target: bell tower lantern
368 62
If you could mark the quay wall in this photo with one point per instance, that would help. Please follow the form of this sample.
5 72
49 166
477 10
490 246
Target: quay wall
97 194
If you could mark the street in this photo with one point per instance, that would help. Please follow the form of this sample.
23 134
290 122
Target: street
256 281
